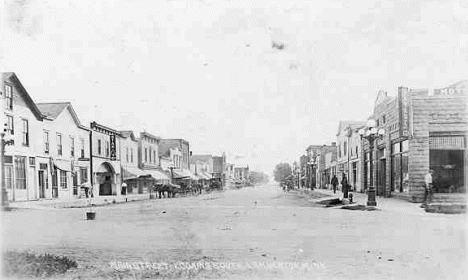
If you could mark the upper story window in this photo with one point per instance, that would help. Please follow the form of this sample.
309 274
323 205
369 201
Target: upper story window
9 129
131 155
46 142
149 152
59 144
378 122
383 119
99 147
72 146
107 148
146 154
127 154
25 133
82 153
154 156
345 148
8 97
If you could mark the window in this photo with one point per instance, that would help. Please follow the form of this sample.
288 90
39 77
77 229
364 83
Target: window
32 161
99 146
345 148
83 175
107 148
8 97
25 133
146 154
127 153
149 155
20 170
63 179
154 156
46 142
399 165
72 146
378 122
82 155
59 144
10 125
131 155
383 119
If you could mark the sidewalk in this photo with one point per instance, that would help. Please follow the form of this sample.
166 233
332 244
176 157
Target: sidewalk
383 203
59 203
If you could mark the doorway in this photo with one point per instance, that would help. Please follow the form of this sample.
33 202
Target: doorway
41 184
382 177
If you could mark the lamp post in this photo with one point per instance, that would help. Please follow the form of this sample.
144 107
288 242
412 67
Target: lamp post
5 140
370 132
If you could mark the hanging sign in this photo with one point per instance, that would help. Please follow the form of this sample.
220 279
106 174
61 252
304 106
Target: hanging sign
113 154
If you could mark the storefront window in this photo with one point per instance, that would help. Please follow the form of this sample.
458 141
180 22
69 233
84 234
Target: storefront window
400 176
448 166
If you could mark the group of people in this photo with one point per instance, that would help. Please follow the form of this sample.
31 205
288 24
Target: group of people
345 187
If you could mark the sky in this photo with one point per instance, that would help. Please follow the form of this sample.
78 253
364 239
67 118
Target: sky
206 71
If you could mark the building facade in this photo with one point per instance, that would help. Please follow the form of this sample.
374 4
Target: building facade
105 149
348 159
311 171
24 161
132 175
424 130
66 147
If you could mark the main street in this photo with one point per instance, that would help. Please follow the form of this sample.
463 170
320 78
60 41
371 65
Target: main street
246 226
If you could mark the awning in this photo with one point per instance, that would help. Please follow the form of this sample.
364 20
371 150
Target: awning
181 174
64 166
207 175
130 172
157 175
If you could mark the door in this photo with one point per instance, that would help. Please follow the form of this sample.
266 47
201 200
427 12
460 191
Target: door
382 177
41 184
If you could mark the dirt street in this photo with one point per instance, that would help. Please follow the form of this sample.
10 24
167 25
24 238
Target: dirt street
249 233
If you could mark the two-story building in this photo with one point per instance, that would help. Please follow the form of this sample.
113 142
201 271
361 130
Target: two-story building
348 160
326 164
66 148
178 152
132 175
311 170
148 155
105 160
24 170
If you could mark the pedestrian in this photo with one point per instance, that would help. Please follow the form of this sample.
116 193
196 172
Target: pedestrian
427 188
344 186
334 182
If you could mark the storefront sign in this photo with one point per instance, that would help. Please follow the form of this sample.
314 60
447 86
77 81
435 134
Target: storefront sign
403 113
113 154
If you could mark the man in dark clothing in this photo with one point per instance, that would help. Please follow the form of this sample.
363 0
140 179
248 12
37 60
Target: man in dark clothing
344 186
334 182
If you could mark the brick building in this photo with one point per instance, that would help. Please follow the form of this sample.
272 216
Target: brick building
424 129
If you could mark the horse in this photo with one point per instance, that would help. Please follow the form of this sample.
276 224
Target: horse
170 189
197 189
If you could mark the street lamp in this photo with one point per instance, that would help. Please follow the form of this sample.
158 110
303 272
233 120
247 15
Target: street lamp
5 141
370 132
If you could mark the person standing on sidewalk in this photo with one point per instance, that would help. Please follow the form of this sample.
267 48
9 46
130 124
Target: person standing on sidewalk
334 182
427 188
344 186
